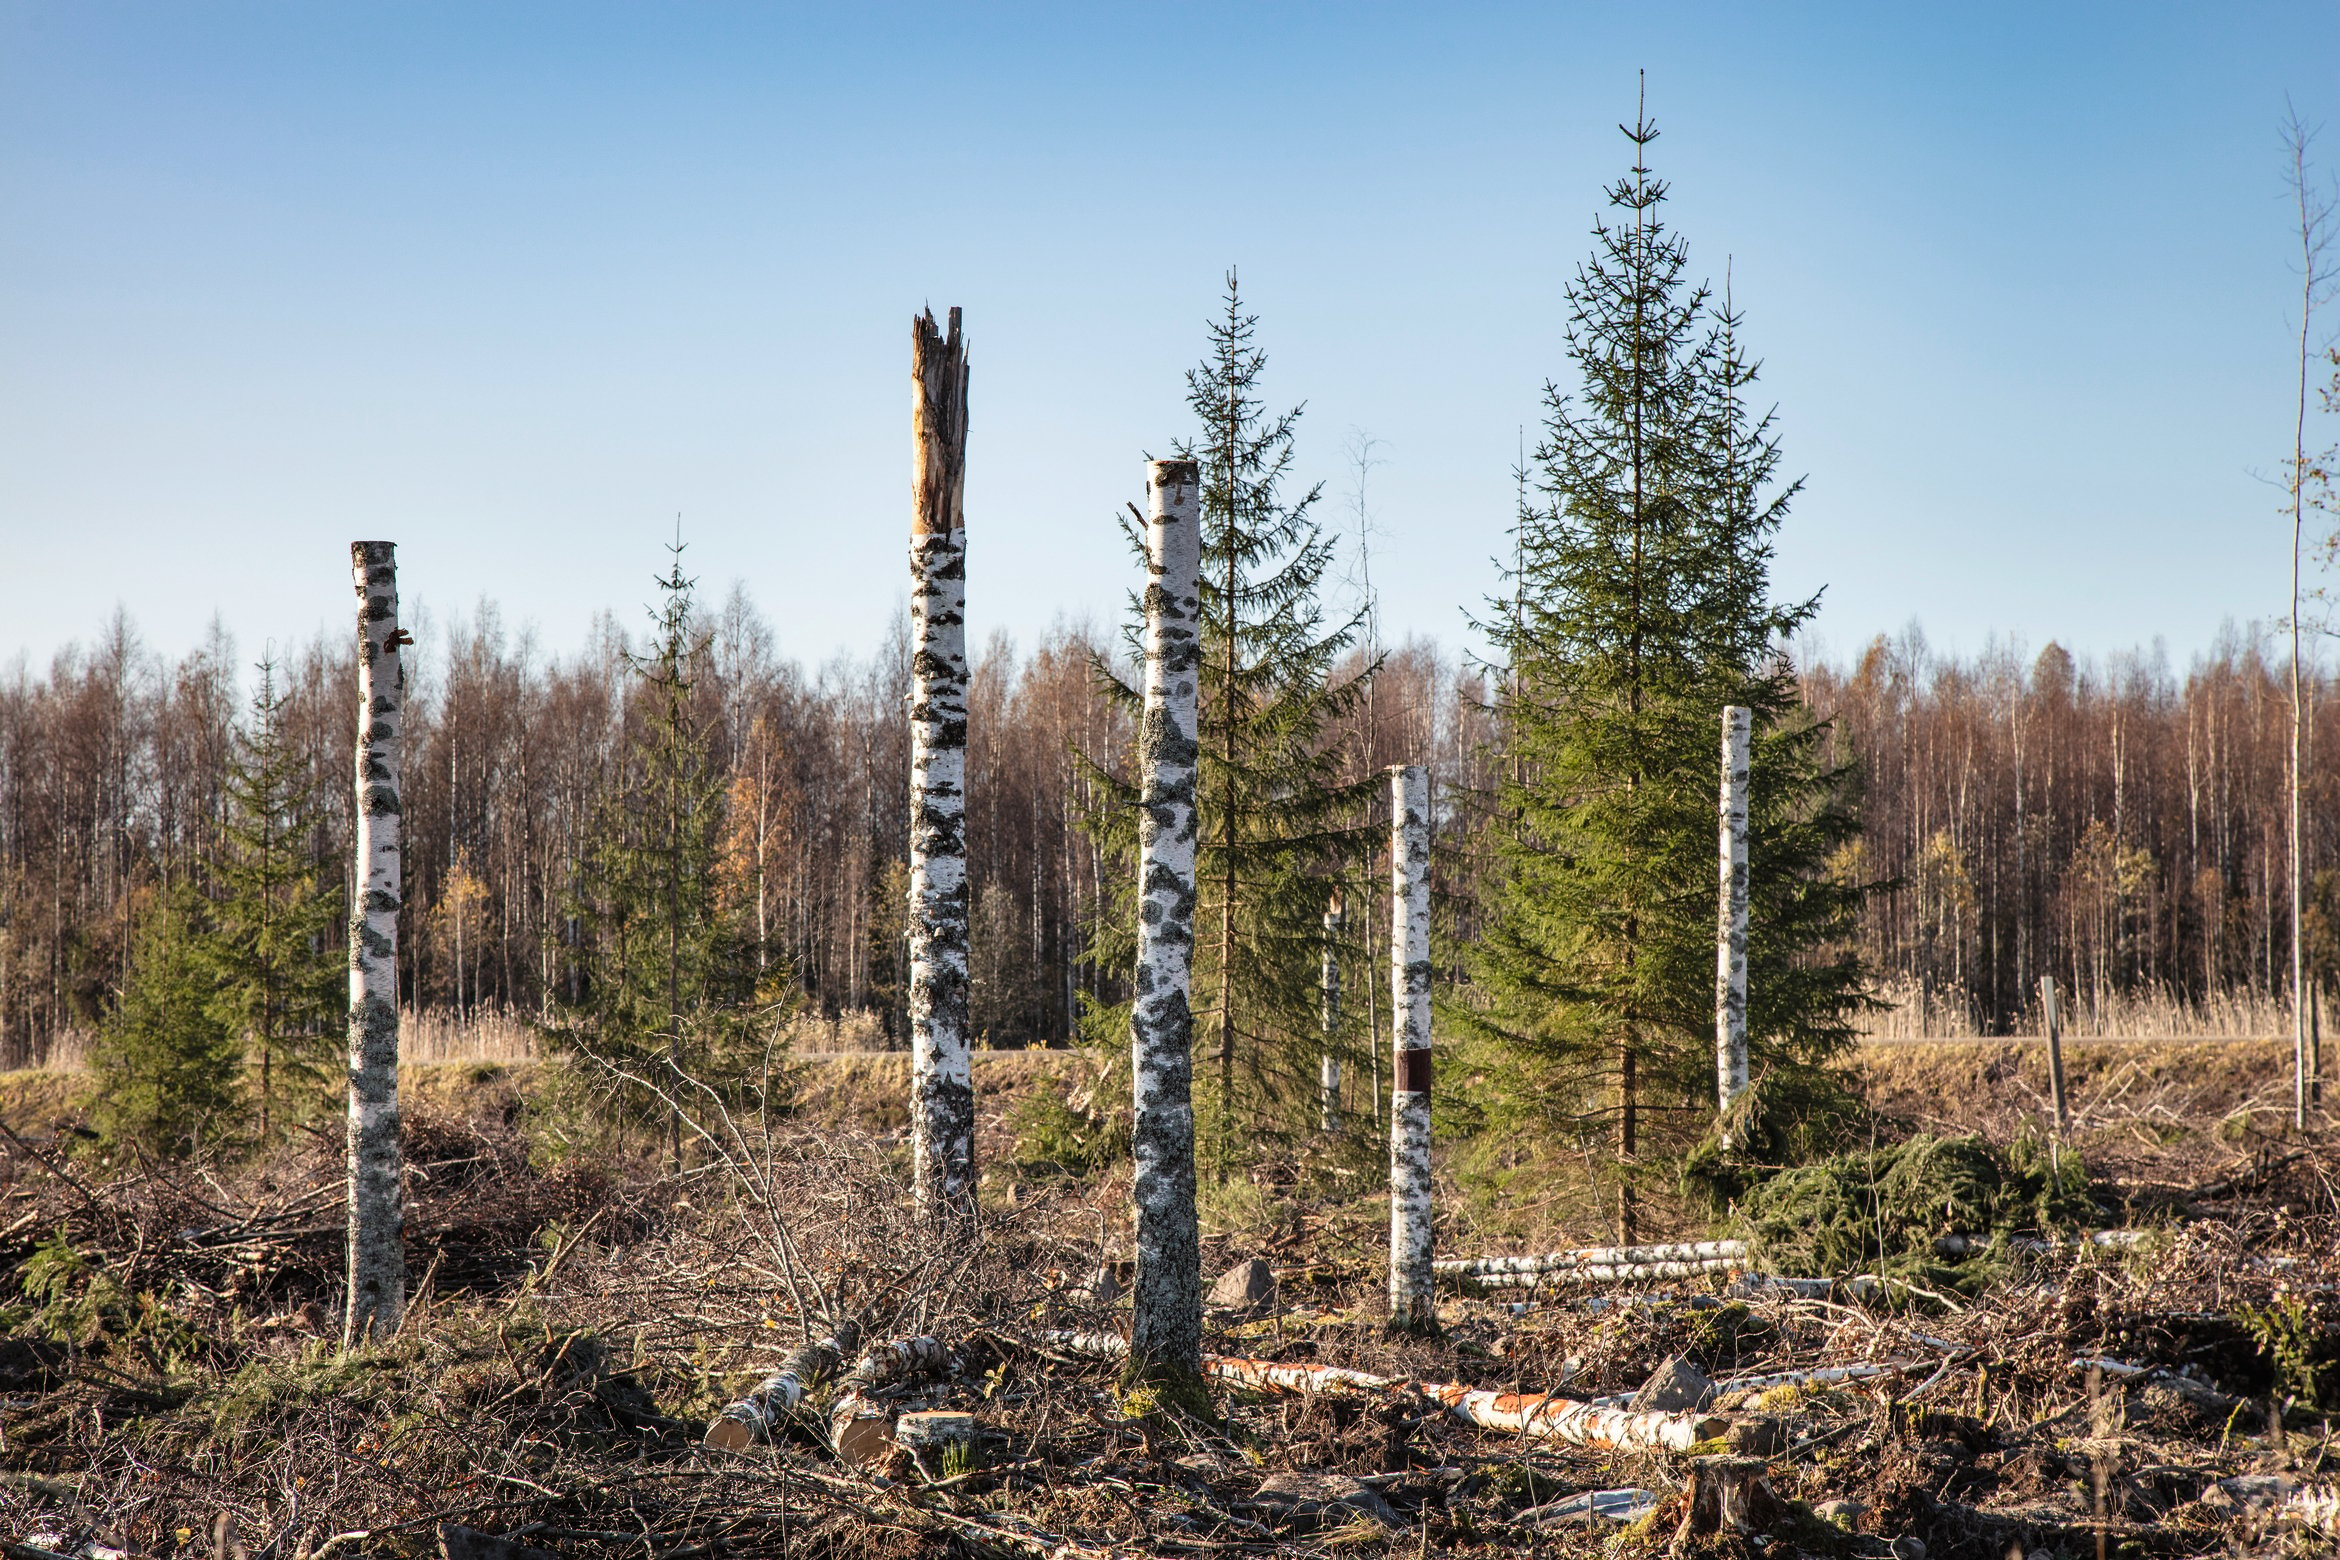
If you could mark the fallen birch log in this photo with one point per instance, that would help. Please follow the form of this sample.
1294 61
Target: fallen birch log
754 1417
1820 1376
1541 1415
1594 1257
861 1428
1625 1272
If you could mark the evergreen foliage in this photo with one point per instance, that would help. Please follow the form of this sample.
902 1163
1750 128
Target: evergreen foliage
168 1064
1277 829
668 975
1642 607
277 943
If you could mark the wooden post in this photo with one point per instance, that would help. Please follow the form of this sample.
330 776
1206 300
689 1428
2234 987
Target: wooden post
376 1298
2055 1045
1329 1070
1166 1315
942 1103
1730 932
2316 1042
1412 1305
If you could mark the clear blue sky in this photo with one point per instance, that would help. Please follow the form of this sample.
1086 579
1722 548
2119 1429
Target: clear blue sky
514 284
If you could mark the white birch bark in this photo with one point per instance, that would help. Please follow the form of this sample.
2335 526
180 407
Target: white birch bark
942 1105
376 1299
1595 1256
755 1417
1328 1083
1166 1322
1730 932
1412 1302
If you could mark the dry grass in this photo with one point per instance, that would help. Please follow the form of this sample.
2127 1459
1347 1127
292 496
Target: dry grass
1911 1014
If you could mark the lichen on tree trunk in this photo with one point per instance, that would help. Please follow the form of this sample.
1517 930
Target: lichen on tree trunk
1412 1304
376 1300
942 1107
1730 937
1166 1321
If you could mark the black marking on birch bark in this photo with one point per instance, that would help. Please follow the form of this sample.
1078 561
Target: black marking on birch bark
1412 1302
376 1254
942 1104
1166 1319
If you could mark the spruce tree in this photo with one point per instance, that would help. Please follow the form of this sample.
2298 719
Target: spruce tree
1643 607
281 964
1277 828
168 1066
664 970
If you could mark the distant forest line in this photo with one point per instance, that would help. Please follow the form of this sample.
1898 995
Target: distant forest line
2112 823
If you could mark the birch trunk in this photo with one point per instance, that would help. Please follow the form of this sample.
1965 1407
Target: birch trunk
377 1214
1329 1071
1730 934
1166 1324
1412 1303
942 1105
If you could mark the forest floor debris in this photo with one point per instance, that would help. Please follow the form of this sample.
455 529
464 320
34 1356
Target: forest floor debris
168 1373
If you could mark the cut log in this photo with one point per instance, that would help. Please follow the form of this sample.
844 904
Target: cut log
1595 1256
1622 1273
754 1417
1540 1415
861 1425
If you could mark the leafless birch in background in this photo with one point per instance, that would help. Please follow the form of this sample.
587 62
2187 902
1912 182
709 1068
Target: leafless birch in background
1730 938
377 1217
1166 1322
1412 1306
1328 1086
2315 237
942 1106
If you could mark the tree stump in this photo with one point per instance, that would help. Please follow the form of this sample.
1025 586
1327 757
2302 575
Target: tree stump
1727 1495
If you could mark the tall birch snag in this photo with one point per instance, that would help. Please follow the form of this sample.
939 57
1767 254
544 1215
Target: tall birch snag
1730 929
1166 1324
1329 1071
942 1104
377 1213
1411 1304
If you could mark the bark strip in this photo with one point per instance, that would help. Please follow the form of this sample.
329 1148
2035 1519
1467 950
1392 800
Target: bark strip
1730 933
376 1298
1412 1303
1166 1322
942 1105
